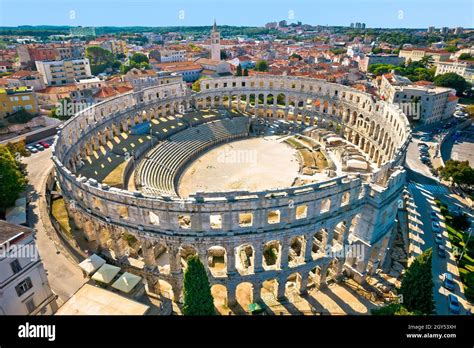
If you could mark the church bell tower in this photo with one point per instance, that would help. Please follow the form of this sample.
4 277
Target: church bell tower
215 43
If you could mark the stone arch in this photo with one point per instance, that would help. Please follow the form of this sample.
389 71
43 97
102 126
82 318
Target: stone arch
185 252
245 259
271 254
296 251
319 240
220 295
245 294
216 261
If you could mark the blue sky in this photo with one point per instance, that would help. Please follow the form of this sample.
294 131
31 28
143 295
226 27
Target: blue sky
375 13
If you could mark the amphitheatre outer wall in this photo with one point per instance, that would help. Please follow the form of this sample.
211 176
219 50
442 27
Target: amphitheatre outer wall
350 210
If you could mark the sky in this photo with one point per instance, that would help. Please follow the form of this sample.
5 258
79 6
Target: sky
375 13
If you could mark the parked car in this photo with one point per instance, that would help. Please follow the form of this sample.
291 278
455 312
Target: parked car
425 138
39 147
32 149
422 145
441 251
44 144
453 304
448 281
438 238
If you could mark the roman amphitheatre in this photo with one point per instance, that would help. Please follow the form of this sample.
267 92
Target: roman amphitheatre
265 178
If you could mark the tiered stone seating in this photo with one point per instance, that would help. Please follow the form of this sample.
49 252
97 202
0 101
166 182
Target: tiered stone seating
156 174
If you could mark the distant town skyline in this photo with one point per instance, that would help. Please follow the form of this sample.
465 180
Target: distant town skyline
158 13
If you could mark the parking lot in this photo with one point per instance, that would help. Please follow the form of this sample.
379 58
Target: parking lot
39 146
463 146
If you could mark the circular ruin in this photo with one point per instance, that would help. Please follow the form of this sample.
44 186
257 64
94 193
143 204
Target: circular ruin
122 167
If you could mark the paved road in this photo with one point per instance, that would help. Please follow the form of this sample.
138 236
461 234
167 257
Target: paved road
424 188
64 275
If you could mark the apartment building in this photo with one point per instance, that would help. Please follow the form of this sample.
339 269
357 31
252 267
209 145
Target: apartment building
416 54
16 99
61 72
141 79
462 68
25 78
190 71
24 287
421 101
29 54
167 56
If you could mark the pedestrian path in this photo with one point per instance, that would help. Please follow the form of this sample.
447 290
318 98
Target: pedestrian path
435 189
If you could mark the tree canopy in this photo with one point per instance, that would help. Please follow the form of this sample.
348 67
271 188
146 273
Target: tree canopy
392 309
415 71
295 55
261 65
459 173
12 180
452 80
239 70
197 291
138 61
100 59
417 285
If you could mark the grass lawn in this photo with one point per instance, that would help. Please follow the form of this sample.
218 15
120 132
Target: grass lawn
59 212
294 143
115 177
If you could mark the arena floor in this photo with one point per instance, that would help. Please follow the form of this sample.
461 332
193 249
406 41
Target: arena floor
253 164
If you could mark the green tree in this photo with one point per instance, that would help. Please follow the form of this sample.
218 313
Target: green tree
392 309
261 65
139 58
246 72
100 59
223 55
295 55
426 60
12 180
465 56
417 285
451 49
137 61
452 80
239 70
197 291
459 173
196 87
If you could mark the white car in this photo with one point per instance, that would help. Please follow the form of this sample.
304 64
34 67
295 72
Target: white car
32 149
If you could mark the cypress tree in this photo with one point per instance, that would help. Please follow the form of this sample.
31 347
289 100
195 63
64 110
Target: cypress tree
239 70
197 291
